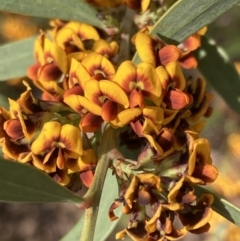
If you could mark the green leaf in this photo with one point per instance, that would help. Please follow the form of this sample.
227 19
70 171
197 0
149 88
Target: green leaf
63 9
104 225
18 56
219 71
222 206
186 17
24 183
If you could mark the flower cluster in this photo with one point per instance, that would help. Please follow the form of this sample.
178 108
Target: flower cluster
155 109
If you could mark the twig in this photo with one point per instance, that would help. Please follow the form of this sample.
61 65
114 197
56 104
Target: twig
92 198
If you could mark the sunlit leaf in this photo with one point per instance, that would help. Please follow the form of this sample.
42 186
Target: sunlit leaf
62 9
219 71
24 183
18 56
186 17
104 225
222 206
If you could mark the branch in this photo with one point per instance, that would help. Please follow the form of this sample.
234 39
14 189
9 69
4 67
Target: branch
92 198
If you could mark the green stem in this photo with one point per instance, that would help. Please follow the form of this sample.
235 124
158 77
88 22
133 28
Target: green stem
92 198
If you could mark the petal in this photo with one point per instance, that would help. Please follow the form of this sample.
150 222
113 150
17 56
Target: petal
48 137
199 91
188 61
176 234
136 99
144 5
127 116
106 49
137 127
202 149
148 81
49 71
202 109
177 77
169 53
109 111
75 90
202 31
87 178
199 126
78 74
98 64
48 167
25 157
90 122
77 41
93 92
64 36
151 180
60 161
61 177
38 49
52 87
28 128
177 100
192 42
174 191
165 139
150 132
198 221
4 115
200 154
83 30
126 76
155 114
205 228
114 92
12 150
32 71
79 103
59 57
70 139
164 77
13 128
111 213
46 48
27 101
151 225
77 55
88 160
205 172
148 53
169 115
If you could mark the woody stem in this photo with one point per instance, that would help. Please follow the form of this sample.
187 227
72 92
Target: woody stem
107 152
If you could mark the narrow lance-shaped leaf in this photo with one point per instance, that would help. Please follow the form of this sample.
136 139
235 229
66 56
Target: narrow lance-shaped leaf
104 225
222 206
186 17
18 56
219 71
63 9
24 183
